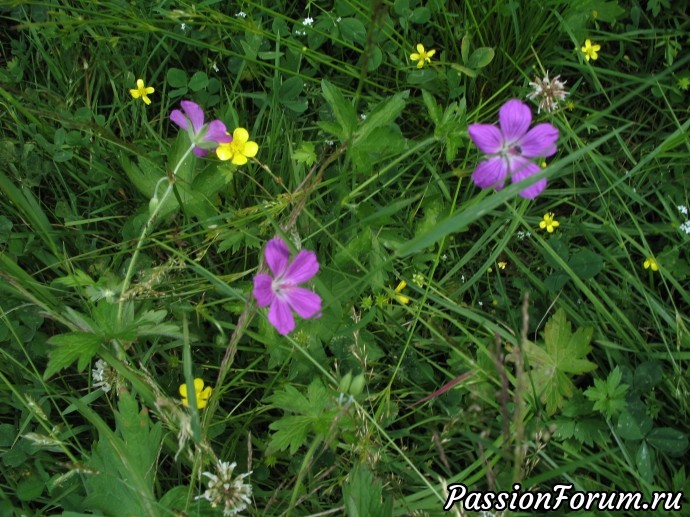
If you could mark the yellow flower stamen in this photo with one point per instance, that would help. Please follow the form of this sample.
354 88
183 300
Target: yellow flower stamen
142 91
422 56
590 51
401 297
549 222
239 149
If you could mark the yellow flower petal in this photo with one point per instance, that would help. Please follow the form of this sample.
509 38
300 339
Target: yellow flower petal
240 135
239 159
250 149
420 48
431 53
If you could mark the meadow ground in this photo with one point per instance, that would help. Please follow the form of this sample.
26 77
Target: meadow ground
255 257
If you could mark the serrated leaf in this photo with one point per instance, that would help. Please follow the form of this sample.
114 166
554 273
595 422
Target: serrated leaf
432 107
562 357
382 115
71 347
363 495
290 431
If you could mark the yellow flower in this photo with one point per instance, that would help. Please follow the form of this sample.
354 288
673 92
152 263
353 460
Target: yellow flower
422 56
401 297
549 222
239 149
142 91
502 265
651 262
202 394
590 51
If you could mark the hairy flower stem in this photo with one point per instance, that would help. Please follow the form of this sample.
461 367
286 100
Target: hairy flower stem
147 227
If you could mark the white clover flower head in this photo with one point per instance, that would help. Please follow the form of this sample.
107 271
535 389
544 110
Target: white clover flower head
233 495
548 92
308 22
101 376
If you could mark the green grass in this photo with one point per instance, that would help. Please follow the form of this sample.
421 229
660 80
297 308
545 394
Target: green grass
486 378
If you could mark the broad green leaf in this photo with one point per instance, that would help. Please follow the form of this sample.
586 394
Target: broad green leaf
176 78
669 440
353 30
290 431
71 347
481 57
420 15
199 81
644 459
343 110
647 375
290 89
634 423
432 107
562 357
363 495
382 115
586 264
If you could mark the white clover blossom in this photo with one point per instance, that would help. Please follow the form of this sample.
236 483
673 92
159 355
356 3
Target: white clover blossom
548 92
308 22
233 495
101 376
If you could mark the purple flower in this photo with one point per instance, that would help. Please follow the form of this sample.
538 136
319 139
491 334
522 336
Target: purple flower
281 292
511 147
204 136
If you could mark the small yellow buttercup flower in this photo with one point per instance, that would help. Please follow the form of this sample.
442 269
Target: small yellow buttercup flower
590 51
650 262
239 149
142 91
549 222
401 297
422 56
202 394
502 264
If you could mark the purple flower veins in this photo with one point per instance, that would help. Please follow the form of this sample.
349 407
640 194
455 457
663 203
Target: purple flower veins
511 147
281 291
204 136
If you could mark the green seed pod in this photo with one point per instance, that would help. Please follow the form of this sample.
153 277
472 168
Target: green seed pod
344 385
153 204
357 385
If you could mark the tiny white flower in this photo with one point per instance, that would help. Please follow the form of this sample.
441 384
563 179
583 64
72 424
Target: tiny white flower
241 14
215 67
329 143
481 303
683 209
462 278
308 21
183 26
685 227
338 19
363 116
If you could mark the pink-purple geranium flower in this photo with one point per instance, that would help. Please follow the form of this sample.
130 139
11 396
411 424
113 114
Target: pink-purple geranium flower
511 147
281 291
204 136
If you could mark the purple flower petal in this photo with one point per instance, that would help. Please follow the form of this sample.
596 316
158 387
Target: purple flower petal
491 173
263 291
277 255
280 317
523 169
304 302
486 137
539 141
304 266
194 113
217 132
514 117
178 118
200 152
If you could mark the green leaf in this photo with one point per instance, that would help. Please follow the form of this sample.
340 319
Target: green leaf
644 459
465 48
363 495
383 114
290 89
608 396
305 153
432 107
343 111
586 264
353 31
668 440
634 423
564 356
290 431
199 81
30 489
647 375
70 347
420 15
481 57
176 78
